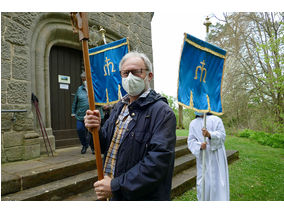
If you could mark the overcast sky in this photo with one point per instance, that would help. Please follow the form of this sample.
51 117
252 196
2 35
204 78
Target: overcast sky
169 26
167 38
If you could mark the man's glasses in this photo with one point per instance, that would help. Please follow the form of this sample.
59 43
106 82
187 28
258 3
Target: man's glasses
125 73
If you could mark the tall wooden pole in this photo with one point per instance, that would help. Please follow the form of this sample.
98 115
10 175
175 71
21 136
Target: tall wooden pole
80 24
207 23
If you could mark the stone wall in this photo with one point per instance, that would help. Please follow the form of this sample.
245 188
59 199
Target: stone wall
26 40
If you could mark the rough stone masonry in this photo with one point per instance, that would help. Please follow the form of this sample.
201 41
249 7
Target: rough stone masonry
26 39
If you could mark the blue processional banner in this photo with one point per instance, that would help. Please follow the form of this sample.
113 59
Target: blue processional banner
104 62
200 76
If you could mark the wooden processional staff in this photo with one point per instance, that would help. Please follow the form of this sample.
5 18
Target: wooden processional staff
80 25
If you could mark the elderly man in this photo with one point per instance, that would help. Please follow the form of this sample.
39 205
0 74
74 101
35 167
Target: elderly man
138 139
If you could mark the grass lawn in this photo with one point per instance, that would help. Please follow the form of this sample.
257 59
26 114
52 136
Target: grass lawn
257 176
182 132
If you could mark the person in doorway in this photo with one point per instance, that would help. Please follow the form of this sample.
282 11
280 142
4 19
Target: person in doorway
79 107
216 172
138 139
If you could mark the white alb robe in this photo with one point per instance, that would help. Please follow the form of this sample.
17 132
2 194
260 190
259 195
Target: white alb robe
216 173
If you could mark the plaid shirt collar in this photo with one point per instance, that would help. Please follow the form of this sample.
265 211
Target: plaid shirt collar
125 99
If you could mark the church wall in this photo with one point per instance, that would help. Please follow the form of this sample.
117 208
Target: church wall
26 40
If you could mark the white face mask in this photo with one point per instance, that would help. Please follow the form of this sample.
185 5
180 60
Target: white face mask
133 85
85 84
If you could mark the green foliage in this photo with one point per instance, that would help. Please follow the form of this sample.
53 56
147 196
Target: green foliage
172 101
268 139
270 125
188 114
278 140
253 84
246 133
256 176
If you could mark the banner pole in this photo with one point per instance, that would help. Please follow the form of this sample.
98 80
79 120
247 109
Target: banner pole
207 23
203 162
80 24
91 99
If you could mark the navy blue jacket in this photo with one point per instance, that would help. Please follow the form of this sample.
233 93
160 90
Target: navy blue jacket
145 159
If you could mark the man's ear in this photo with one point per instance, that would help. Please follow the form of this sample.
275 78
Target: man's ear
150 76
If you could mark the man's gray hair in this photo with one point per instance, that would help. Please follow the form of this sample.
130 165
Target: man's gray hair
83 75
146 60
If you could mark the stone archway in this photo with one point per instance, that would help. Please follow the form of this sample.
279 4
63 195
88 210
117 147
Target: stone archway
51 29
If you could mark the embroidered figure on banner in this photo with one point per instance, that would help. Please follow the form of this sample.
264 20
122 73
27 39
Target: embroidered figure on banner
202 68
107 66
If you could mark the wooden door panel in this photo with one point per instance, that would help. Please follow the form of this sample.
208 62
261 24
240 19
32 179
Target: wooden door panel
68 62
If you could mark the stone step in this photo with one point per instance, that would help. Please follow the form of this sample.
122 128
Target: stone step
70 176
80 187
88 195
184 162
186 179
182 182
181 150
181 140
60 189
46 173
50 170
57 190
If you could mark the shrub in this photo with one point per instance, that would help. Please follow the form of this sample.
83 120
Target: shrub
278 140
268 139
246 133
